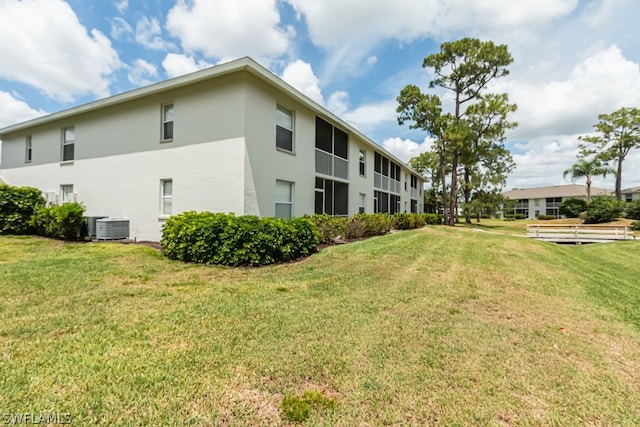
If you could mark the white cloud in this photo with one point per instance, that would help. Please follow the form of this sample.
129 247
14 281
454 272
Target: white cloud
600 84
405 149
142 73
223 29
13 110
120 29
299 74
338 102
122 5
149 34
45 45
333 23
367 117
372 60
175 64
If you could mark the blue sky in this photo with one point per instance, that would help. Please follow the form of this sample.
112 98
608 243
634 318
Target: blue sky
574 59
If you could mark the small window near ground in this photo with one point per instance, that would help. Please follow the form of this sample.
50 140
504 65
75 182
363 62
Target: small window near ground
284 129
284 199
68 144
28 149
66 193
167 122
166 197
362 198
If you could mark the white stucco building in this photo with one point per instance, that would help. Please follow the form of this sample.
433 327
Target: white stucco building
231 138
532 202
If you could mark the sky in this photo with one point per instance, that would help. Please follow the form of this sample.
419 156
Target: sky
573 60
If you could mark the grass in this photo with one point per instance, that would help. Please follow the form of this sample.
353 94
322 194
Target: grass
434 326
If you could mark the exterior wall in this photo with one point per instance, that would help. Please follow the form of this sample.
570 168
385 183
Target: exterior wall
204 112
205 176
268 164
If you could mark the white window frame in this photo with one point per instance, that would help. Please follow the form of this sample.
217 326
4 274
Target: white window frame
362 160
68 142
28 149
66 194
287 200
164 197
290 127
165 122
362 203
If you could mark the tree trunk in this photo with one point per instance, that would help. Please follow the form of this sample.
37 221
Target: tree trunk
619 181
588 189
454 189
443 180
467 196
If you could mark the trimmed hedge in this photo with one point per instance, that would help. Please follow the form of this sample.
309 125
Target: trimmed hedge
368 225
633 210
217 238
329 227
408 221
17 206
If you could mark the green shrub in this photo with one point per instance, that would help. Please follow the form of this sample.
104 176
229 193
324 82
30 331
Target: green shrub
217 238
509 217
602 209
432 218
546 217
572 208
633 210
64 221
17 206
408 221
635 225
329 227
519 216
368 225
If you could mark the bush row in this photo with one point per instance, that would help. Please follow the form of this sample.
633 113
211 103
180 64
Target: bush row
23 211
367 225
218 238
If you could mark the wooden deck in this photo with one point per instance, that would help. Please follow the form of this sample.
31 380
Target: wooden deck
565 233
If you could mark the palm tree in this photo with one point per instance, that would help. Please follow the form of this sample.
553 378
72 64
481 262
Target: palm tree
585 168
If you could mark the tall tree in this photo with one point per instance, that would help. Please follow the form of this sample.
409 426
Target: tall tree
463 67
588 168
619 133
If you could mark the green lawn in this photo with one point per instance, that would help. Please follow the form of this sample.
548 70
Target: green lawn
446 326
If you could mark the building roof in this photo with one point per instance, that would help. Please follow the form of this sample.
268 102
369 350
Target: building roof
631 190
243 64
571 190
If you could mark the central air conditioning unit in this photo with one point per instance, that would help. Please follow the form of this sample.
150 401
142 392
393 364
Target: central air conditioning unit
92 225
112 228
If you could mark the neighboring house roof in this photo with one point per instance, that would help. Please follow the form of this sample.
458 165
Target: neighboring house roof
631 190
571 190
242 64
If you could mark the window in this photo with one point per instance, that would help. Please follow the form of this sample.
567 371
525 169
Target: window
284 199
167 122
166 196
68 144
331 150
362 204
28 149
332 197
284 129
363 164
66 193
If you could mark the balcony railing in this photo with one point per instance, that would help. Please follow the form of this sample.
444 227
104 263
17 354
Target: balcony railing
385 183
329 164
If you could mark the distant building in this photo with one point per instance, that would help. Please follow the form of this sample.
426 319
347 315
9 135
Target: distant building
631 194
546 200
230 138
